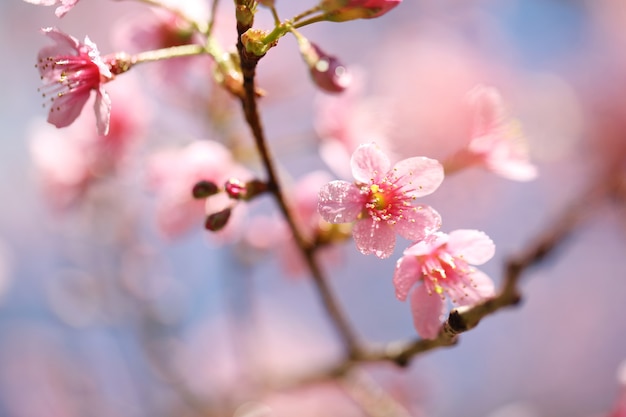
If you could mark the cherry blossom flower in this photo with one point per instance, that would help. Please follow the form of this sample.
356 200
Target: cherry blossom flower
172 174
70 70
342 10
64 5
442 263
70 162
343 121
497 142
381 199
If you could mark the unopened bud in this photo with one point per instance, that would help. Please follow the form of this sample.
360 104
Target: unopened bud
239 190
216 221
326 70
204 189
343 10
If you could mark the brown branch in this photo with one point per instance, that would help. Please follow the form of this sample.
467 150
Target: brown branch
249 103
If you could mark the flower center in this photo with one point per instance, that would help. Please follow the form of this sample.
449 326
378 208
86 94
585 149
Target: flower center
387 201
67 74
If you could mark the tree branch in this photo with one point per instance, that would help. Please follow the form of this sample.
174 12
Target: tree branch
249 103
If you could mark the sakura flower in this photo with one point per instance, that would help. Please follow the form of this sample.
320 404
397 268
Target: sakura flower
173 175
70 70
64 5
381 199
497 142
343 121
442 263
342 10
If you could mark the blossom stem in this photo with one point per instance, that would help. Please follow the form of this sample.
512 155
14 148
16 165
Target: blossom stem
306 13
209 29
168 53
314 19
249 104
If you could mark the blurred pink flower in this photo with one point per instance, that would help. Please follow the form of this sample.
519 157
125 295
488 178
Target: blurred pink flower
442 263
346 120
68 163
70 70
342 10
172 174
381 199
497 142
64 5
62 166
265 232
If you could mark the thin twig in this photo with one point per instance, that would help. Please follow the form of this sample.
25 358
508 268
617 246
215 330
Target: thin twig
249 104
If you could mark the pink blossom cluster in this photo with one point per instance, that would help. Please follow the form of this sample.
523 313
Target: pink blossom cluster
381 202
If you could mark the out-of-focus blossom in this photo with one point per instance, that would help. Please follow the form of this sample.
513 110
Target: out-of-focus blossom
266 232
342 10
64 6
156 28
442 262
344 121
497 142
69 162
173 175
327 72
62 166
70 70
381 199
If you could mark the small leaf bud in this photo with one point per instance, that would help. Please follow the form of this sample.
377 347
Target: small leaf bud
216 221
204 189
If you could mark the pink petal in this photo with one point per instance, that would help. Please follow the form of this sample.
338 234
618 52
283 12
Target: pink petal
488 108
407 273
428 310
369 163
65 7
102 108
479 288
340 202
372 237
427 245
473 246
418 223
64 43
67 108
420 175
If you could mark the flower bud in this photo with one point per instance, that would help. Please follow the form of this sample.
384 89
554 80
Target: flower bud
204 189
326 70
342 10
239 190
216 221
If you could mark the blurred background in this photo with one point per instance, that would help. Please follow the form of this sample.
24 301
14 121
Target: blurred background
110 308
